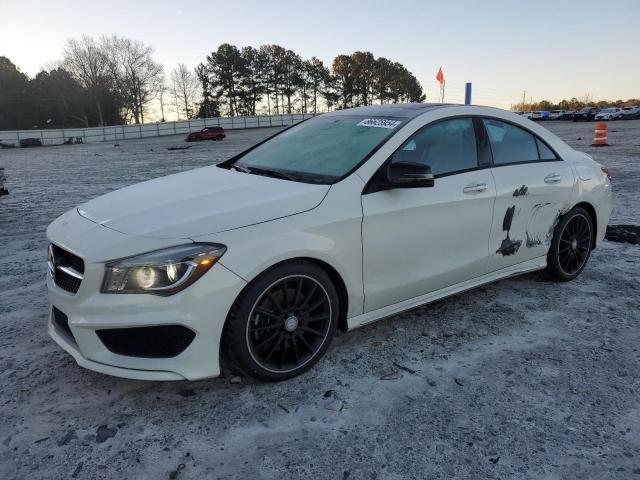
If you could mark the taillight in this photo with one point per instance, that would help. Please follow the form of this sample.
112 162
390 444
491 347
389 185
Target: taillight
606 172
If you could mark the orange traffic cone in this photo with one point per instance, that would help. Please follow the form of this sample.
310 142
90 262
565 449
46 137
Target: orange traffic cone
600 135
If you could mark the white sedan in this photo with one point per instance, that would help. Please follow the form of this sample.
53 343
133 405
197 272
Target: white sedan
333 223
609 114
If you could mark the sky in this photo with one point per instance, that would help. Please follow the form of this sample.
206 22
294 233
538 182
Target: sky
550 49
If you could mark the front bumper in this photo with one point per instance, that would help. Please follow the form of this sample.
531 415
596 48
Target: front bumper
202 308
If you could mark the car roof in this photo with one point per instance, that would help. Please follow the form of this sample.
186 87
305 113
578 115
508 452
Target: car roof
399 110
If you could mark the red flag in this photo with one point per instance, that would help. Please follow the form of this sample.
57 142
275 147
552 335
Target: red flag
440 76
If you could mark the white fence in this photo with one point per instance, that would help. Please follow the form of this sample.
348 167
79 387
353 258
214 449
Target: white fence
126 132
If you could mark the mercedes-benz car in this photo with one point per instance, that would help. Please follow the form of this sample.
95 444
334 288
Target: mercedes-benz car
331 224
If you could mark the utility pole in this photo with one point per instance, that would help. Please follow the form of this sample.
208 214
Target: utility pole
523 99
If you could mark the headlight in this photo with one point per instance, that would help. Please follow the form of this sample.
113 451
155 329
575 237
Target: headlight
161 272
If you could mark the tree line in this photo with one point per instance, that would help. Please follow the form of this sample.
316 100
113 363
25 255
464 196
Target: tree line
114 80
109 81
235 81
574 103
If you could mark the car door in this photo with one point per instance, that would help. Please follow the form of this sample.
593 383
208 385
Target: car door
418 240
533 185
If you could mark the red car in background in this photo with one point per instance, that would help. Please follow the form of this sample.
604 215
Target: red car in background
207 133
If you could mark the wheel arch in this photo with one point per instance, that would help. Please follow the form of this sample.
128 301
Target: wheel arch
594 218
341 287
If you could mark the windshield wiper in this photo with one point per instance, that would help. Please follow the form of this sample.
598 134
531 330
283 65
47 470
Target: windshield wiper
240 169
266 172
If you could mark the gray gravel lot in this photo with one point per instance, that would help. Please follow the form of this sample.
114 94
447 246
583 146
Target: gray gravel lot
525 378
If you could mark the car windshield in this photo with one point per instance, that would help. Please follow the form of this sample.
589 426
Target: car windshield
320 150
608 110
585 110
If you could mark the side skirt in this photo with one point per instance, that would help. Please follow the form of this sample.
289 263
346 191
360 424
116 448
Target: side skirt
524 267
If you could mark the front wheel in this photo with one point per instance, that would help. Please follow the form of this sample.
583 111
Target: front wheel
571 245
283 322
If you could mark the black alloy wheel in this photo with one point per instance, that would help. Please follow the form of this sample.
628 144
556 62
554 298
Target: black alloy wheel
575 244
282 323
571 245
289 323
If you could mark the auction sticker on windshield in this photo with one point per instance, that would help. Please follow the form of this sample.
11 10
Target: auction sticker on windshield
379 123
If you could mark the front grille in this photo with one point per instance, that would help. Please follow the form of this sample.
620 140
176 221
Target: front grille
67 269
61 321
66 281
162 341
64 257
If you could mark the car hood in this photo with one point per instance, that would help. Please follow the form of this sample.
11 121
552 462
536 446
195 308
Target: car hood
200 202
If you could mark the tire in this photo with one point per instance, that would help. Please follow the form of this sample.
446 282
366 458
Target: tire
282 323
571 245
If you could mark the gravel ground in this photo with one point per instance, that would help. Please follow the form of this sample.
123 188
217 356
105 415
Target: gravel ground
524 378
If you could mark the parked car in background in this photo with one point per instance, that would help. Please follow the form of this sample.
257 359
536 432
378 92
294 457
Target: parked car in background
567 115
30 142
207 133
630 113
586 114
612 113
528 115
556 114
540 115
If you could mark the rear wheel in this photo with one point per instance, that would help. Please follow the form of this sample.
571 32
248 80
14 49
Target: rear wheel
283 322
571 245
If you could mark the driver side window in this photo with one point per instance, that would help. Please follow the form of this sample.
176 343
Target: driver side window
447 147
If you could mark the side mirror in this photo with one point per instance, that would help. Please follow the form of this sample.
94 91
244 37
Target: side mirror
409 175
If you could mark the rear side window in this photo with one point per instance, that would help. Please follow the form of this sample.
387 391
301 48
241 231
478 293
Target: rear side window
544 151
510 144
447 147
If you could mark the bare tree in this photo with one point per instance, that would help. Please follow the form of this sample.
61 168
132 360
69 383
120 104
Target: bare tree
586 99
184 89
87 62
134 71
162 93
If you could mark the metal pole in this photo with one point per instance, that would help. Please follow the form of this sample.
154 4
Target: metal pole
467 93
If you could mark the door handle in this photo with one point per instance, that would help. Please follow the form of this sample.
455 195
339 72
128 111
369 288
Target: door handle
553 178
475 188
